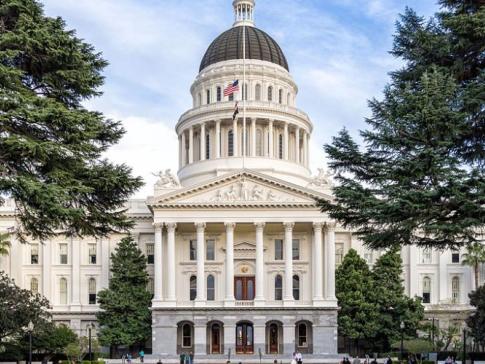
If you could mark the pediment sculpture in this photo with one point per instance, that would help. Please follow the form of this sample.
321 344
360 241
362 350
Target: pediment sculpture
166 180
245 191
322 179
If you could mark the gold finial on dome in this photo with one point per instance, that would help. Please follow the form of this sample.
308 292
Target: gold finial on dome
244 12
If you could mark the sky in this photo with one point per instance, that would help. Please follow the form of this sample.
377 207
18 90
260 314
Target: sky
337 50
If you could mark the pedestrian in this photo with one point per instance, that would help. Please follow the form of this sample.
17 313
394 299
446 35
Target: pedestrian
142 356
191 358
356 360
347 360
388 360
374 361
128 358
299 358
293 359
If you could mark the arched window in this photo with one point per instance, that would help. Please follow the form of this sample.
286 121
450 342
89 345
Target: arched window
230 143
193 287
92 291
258 92
280 146
200 100
280 96
207 146
288 99
302 335
34 285
211 290
259 142
426 290
186 336
208 96
63 291
296 287
270 93
278 288
455 290
219 93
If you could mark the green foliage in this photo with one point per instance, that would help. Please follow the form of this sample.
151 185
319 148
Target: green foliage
358 315
415 346
51 146
474 257
17 308
52 339
476 321
420 177
77 350
125 317
394 306
4 243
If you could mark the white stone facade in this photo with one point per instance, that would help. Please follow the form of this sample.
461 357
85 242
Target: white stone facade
240 257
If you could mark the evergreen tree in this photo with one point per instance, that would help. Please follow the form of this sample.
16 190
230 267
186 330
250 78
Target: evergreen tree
394 306
420 178
125 317
51 146
476 321
358 317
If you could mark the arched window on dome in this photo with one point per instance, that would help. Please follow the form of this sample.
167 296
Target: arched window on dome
288 99
199 99
280 96
207 146
34 285
230 143
208 96
219 93
258 92
280 146
278 288
270 93
259 142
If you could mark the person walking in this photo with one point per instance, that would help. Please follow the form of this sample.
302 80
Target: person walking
356 360
128 358
299 357
142 356
191 358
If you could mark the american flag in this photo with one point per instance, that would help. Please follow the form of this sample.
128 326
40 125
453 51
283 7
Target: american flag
236 111
233 87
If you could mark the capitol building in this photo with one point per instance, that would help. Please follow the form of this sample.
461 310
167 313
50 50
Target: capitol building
240 257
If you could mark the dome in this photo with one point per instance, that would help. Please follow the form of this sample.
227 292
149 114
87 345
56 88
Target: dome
229 46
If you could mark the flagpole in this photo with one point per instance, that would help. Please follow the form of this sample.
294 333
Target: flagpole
244 93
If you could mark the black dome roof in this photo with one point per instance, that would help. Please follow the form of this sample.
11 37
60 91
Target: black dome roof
229 45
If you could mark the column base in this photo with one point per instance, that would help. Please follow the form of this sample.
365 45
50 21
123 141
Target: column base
332 301
259 302
229 303
318 301
75 307
164 303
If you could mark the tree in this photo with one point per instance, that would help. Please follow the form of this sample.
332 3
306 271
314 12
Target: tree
476 321
420 177
51 146
358 315
4 243
77 350
18 307
51 340
415 346
125 317
474 257
394 306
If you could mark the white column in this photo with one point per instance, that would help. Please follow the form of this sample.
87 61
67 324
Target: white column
105 262
157 295
191 145
171 261
180 152
235 137
218 139
229 300
202 141
330 251
285 142
443 277
270 139
318 259
184 154
305 149
259 299
253 137
75 274
46 269
288 298
297 145
201 294
413 277
307 153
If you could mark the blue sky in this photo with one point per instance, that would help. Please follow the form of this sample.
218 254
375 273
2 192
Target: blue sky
337 51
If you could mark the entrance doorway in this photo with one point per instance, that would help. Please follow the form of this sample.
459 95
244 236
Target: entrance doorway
216 339
273 339
244 287
244 338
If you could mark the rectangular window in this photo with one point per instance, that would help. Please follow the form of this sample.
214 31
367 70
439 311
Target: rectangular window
278 249
150 253
455 257
34 254
339 253
208 96
210 250
92 253
296 249
193 249
92 298
63 253
426 297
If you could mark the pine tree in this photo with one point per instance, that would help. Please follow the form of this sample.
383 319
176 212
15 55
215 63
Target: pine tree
125 317
358 315
394 306
420 177
476 321
51 146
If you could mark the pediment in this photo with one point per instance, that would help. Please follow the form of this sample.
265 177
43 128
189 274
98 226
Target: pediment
241 189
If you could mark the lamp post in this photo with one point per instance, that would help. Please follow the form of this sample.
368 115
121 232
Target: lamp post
30 328
402 326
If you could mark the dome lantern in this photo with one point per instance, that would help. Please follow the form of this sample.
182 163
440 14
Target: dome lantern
243 12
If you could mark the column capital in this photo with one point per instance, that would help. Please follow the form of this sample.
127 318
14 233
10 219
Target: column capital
330 225
171 226
230 225
318 225
158 225
270 121
202 123
289 226
218 120
259 225
200 225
